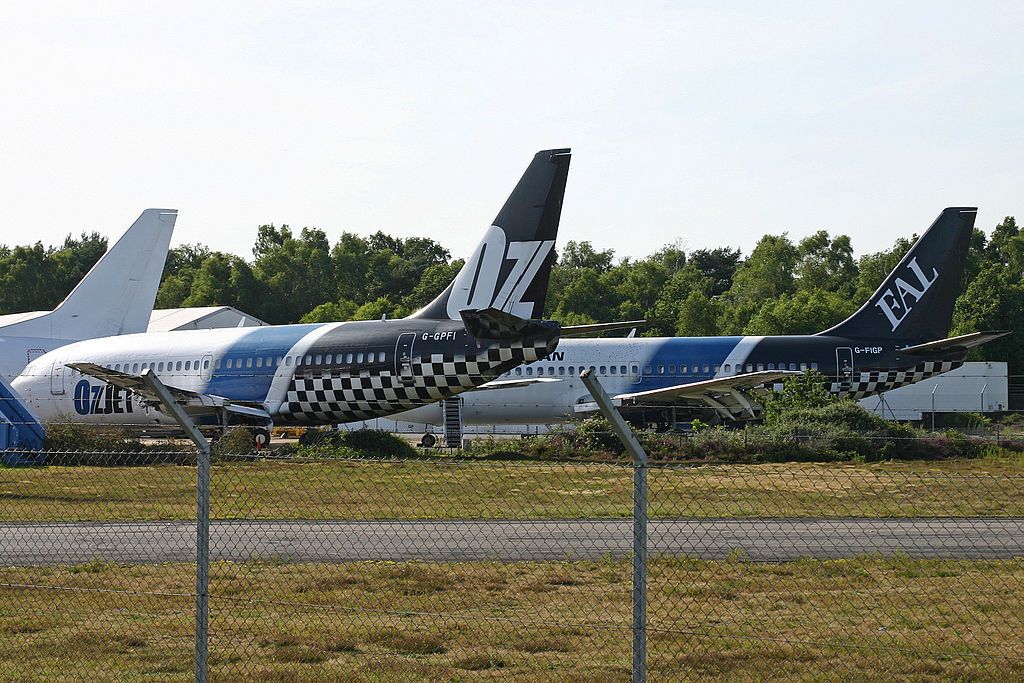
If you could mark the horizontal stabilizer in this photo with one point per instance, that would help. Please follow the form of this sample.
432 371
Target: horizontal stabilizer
515 383
961 343
491 323
580 330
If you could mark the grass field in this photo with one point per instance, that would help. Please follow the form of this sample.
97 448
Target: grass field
863 619
446 490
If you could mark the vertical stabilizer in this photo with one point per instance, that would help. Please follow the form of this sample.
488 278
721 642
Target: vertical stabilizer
116 296
510 268
915 302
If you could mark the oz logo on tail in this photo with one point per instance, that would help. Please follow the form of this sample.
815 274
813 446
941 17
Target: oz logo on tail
894 303
477 285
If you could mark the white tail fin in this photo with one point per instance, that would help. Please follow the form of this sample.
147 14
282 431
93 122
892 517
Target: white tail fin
116 296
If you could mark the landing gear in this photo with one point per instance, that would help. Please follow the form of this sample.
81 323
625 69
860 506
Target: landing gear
428 441
260 438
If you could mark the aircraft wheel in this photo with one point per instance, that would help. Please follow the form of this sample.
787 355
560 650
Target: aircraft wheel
428 441
261 438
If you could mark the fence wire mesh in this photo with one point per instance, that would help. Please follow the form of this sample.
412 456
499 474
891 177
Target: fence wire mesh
328 568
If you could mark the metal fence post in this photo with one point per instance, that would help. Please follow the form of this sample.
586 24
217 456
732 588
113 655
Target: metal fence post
202 521
639 457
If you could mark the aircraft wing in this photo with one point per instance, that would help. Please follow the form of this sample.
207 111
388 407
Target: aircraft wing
961 343
194 402
744 382
732 395
514 383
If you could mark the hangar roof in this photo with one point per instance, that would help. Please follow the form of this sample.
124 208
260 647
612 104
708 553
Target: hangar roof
200 318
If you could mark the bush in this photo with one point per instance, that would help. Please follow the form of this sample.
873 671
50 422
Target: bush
845 415
838 431
237 441
361 443
78 444
67 436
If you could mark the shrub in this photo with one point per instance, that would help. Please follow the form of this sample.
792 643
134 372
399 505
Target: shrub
237 441
78 444
361 443
67 436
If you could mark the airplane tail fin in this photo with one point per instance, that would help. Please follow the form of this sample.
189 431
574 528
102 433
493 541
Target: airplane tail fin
116 296
510 268
915 302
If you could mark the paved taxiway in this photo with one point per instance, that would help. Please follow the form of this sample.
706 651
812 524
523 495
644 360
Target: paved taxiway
509 540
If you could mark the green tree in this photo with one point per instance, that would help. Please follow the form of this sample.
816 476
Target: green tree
330 312
377 309
698 316
805 312
28 280
826 263
433 281
180 268
718 265
297 272
872 269
994 301
586 297
766 274
638 284
664 317
583 255
73 260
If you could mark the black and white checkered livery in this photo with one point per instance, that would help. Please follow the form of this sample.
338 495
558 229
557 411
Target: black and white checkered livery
332 395
876 381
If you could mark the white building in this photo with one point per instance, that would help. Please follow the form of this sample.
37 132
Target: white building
972 388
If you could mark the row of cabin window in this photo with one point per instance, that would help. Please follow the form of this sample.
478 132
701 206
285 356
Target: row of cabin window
662 369
159 366
259 362
729 368
572 370
299 361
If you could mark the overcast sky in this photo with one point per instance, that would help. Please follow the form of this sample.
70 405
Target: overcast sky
708 123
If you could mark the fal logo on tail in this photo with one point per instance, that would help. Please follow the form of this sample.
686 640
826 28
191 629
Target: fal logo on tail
894 303
477 285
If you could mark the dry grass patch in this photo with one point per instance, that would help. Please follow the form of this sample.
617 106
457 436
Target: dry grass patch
295 490
479 662
860 619
411 643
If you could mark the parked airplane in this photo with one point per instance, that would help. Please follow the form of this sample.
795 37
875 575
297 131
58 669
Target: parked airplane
115 297
897 337
477 329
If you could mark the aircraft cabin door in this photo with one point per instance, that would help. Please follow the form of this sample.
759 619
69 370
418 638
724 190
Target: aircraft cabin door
207 371
403 356
844 364
57 379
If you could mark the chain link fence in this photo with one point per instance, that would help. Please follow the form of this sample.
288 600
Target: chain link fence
328 568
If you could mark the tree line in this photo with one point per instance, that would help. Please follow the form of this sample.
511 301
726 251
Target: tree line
782 287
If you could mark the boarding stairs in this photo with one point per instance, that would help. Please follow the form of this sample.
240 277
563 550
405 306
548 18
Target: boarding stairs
452 413
21 433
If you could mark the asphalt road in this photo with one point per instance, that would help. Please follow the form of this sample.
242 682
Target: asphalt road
509 540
